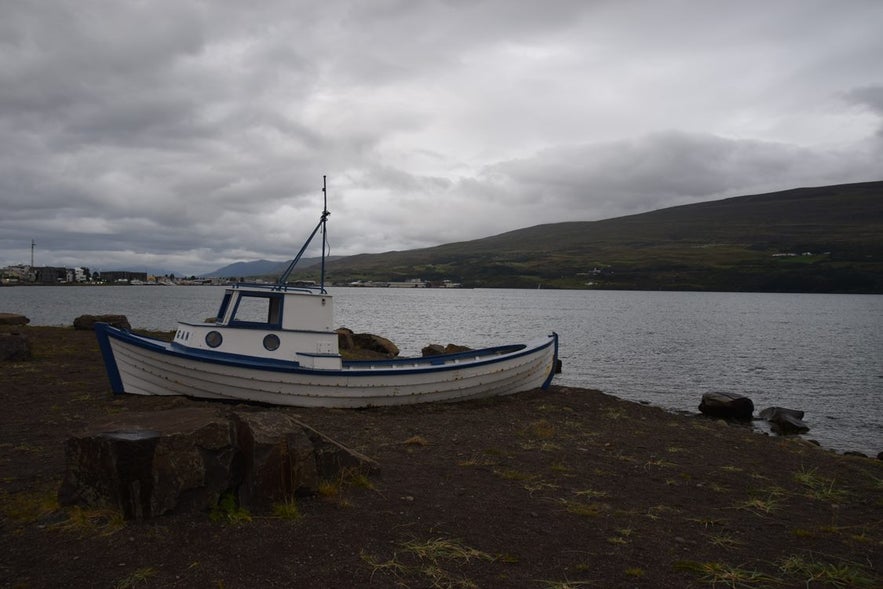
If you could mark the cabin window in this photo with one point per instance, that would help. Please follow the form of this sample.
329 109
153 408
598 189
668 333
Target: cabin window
262 309
271 342
225 303
213 339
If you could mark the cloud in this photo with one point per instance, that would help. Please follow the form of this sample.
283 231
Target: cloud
196 134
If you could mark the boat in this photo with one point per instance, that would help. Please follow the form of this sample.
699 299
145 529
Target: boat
275 343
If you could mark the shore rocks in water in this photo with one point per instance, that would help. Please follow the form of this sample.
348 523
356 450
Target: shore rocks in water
727 406
785 421
14 347
149 464
87 322
13 319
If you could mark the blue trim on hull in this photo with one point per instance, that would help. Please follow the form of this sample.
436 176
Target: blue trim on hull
548 380
110 363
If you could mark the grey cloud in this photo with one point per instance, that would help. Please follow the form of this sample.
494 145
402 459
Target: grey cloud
666 169
199 132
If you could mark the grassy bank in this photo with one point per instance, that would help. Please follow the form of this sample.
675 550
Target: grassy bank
563 488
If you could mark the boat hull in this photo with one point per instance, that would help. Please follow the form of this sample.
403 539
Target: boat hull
146 366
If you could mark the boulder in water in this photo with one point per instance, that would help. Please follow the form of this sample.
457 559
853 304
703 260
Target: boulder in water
785 421
727 406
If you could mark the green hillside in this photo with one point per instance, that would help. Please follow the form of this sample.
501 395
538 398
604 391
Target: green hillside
824 239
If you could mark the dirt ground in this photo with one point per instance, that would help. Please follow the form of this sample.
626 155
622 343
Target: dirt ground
547 489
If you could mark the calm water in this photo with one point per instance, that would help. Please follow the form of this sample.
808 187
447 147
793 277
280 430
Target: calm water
819 353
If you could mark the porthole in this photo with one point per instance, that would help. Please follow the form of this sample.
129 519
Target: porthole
271 341
213 339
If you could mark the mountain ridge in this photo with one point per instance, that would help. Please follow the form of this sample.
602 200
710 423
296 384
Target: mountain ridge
811 239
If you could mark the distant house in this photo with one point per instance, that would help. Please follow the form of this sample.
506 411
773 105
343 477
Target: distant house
123 276
50 275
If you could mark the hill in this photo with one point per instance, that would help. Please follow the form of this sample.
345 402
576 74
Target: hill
821 239
262 268
243 269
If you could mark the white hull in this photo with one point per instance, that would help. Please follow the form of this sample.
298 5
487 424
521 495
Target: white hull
145 366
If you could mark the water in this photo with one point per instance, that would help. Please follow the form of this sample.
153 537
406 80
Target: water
819 353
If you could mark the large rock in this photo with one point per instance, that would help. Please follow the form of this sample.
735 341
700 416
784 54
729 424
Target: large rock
785 421
375 343
14 347
149 464
87 322
364 345
278 459
727 406
13 319
345 341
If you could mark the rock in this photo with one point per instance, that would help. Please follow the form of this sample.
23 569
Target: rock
855 453
785 421
13 319
788 425
771 413
375 343
727 406
186 459
880 456
87 322
364 346
278 459
436 349
432 350
14 347
345 339
149 464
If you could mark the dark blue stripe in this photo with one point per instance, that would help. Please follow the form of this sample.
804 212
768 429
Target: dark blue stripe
549 378
110 364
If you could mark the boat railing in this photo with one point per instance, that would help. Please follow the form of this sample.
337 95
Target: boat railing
279 287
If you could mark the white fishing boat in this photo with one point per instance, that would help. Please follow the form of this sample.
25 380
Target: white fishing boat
275 343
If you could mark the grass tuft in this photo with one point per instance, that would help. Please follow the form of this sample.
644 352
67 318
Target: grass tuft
721 574
287 509
416 441
28 507
542 429
840 575
228 511
432 557
818 487
138 577
92 521
583 509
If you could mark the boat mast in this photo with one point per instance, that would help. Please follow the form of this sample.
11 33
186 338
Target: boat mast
325 214
283 279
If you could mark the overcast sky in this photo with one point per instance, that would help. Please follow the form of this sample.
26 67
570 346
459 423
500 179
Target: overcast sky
185 135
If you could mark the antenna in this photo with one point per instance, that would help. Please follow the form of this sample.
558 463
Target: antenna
325 214
283 279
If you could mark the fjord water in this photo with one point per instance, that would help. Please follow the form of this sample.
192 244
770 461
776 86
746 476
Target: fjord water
822 354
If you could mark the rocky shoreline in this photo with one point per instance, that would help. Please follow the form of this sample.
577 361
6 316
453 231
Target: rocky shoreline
562 488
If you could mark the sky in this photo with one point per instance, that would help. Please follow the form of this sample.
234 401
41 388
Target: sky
184 135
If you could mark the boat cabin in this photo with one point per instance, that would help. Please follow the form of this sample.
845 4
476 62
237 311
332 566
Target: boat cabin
269 321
